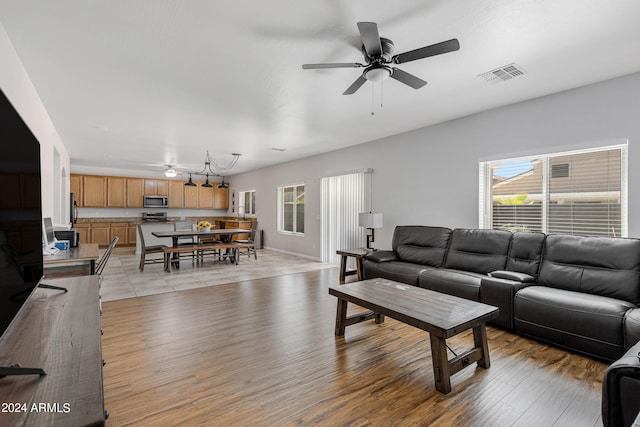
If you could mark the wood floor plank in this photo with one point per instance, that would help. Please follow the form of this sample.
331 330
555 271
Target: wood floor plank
263 352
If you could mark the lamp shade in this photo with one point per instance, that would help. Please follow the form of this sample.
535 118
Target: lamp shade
370 220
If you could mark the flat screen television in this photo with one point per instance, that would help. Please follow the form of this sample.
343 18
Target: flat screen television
21 231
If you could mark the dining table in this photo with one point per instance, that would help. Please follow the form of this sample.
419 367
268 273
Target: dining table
224 234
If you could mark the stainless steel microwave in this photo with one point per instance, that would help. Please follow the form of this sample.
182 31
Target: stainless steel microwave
156 202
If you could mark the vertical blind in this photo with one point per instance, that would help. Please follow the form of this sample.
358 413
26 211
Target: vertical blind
342 199
580 192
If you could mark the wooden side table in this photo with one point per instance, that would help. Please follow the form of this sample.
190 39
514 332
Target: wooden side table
359 254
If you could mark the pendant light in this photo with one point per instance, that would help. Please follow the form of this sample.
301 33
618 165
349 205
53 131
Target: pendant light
190 183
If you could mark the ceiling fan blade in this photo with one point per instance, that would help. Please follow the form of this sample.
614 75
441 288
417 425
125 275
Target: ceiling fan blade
355 86
332 65
370 38
406 78
425 52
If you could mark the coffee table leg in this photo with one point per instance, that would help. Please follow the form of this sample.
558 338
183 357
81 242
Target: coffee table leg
480 342
441 372
341 317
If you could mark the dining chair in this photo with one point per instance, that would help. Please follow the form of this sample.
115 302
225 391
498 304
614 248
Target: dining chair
102 262
185 241
250 242
209 240
148 250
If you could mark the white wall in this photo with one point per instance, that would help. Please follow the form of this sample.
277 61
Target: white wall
17 86
430 176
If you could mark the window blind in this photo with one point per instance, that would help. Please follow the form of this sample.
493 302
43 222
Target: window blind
579 192
342 199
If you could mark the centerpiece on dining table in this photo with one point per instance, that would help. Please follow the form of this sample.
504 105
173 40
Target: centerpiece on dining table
204 226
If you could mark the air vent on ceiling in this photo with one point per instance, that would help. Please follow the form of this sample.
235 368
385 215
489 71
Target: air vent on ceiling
501 74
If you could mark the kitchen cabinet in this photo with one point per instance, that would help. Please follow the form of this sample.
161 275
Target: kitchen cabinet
132 233
116 192
205 197
99 233
220 197
135 192
120 229
176 194
156 187
191 196
75 187
94 193
83 231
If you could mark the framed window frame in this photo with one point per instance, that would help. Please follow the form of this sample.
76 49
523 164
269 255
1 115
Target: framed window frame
251 209
486 177
295 209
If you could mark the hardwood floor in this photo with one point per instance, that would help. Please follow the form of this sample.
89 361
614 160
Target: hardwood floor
263 353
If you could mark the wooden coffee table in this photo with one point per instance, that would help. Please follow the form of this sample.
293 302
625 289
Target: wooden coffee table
443 316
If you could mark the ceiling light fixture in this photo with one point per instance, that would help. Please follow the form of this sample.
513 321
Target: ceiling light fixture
213 168
170 172
376 73
190 183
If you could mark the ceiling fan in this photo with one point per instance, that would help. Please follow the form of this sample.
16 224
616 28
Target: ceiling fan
378 52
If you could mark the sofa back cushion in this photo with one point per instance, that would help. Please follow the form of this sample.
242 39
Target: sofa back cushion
479 251
421 244
525 253
605 266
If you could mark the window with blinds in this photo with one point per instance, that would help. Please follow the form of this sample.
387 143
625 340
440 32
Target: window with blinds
580 192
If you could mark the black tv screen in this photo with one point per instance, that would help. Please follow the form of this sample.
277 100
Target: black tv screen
20 213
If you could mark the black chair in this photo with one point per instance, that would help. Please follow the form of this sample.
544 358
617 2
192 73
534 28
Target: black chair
148 250
102 262
250 242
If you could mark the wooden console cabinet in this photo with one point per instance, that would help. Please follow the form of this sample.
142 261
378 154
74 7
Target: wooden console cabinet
61 334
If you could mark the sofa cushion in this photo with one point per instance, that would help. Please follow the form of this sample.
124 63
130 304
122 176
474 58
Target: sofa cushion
525 252
478 251
461 284
421 244
394 270
595 265
586 323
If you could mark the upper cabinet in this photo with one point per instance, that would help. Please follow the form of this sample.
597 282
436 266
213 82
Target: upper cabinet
156 187
176 194
93 191
116 192
220 198
135 192
75 186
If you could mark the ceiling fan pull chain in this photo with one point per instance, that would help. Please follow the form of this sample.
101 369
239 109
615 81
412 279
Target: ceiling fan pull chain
372 99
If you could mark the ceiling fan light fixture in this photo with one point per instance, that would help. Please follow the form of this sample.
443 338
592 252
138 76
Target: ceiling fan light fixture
170 172
377 73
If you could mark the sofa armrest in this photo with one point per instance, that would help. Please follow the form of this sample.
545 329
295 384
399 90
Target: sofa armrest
382 256
512 275
501 293
620 386
632 327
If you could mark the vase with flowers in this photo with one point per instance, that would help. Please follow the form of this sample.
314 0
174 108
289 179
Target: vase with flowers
204 226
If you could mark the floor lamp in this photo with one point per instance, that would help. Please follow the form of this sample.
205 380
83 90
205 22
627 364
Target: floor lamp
371 221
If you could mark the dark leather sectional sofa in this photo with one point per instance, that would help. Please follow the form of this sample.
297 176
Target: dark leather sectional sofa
580 293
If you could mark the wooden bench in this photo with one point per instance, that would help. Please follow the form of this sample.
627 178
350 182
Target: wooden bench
200 249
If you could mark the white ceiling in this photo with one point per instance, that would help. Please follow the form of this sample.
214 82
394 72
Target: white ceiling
133 85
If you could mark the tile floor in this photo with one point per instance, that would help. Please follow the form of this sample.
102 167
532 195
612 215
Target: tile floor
122 278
